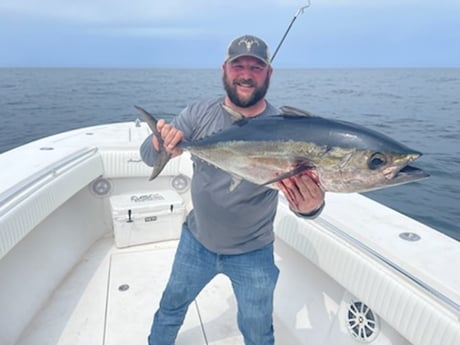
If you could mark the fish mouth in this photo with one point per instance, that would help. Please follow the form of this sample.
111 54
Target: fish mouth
402 170
409 170
409 174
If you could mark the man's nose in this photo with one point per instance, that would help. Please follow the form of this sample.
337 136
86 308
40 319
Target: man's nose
247 72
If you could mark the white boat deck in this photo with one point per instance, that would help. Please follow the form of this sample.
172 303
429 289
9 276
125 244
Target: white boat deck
122 289
129 312
111 296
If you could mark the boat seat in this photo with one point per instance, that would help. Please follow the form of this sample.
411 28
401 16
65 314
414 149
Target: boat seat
419 319
35 196
120 163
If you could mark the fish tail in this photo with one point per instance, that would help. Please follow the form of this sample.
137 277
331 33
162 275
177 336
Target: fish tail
162 157
151 121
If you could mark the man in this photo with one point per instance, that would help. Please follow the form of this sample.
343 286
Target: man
230 230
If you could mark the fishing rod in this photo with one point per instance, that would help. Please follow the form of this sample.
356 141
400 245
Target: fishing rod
298 13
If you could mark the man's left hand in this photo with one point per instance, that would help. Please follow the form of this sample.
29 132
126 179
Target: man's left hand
303 192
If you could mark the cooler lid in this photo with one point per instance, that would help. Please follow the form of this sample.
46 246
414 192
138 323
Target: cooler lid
146 200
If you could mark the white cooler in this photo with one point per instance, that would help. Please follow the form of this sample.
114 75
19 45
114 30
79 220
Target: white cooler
140 218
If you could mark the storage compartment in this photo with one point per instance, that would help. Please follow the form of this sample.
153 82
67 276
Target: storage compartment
140 218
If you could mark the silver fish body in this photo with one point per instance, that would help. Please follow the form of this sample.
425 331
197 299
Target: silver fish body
344 156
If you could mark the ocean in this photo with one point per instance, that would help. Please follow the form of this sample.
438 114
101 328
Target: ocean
418 107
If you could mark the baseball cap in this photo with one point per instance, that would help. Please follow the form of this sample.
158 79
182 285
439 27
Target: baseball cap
248 45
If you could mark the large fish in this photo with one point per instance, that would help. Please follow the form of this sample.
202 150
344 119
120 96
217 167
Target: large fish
344 156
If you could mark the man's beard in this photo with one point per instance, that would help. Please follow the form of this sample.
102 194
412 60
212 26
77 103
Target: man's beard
258 93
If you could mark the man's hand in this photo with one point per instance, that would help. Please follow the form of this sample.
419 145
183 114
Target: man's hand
171 137
303 192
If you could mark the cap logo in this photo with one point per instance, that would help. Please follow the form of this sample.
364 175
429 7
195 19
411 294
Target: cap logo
248 42
248 46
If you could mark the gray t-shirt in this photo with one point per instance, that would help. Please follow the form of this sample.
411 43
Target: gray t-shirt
225 221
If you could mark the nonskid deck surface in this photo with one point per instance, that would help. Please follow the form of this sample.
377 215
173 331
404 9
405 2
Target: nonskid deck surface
136 282
111 296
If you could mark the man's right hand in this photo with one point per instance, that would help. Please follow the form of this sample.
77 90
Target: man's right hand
171 137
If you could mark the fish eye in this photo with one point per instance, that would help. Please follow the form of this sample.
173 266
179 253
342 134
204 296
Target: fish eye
376 160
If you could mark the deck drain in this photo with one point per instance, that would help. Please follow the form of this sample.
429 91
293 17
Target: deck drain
409 236
180 183
101 187
123 287
362 322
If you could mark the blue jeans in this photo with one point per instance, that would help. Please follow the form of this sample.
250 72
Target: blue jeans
253 276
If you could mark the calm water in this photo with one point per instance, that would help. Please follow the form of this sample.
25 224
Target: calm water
419 107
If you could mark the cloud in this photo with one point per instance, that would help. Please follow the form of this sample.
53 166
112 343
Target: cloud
152 31
105 11
97 11
149 18
137 10
82 10
368 32
143 18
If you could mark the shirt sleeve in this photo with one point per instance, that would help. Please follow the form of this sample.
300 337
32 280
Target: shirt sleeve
311 215
147 151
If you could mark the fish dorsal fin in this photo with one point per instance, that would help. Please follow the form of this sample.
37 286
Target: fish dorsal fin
233 113
238 119
295 112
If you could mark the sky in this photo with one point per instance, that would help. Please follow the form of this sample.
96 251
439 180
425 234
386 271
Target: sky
195 33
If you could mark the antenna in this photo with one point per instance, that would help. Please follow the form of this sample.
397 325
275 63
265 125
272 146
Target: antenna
298 13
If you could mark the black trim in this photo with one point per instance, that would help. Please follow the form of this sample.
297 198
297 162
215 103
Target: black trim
311 215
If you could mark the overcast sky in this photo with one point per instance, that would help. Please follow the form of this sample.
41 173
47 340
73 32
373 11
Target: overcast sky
195 33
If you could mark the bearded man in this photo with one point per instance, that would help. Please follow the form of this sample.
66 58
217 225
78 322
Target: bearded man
229 230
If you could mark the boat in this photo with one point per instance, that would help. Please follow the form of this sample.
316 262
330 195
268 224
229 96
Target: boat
87 242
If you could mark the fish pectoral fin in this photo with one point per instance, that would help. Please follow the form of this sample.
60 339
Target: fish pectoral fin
234 183
298 169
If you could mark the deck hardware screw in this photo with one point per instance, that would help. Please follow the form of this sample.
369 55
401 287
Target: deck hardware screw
123 287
